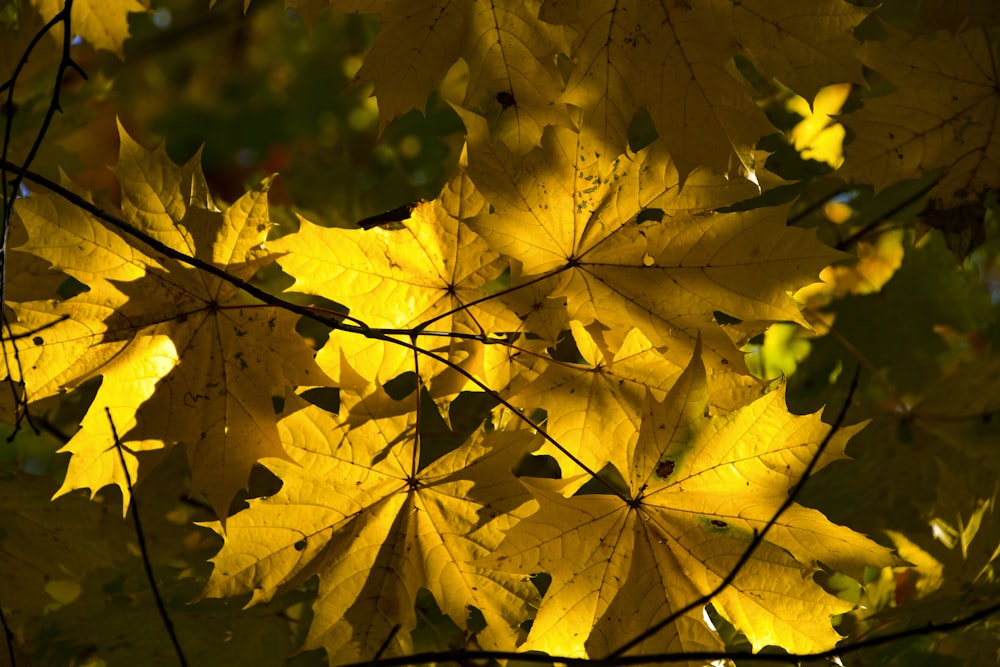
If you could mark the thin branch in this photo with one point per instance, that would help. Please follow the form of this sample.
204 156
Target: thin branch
415 453
10 638
304 311
194 262
11 188
794 220
873 225
758 537
140 536
688 656
385 644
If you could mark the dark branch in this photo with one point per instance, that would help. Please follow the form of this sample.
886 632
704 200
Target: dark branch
304 311
141 537
11 188
692 656
874 224
10 638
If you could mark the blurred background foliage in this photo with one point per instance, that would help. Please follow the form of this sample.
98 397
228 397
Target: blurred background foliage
915 305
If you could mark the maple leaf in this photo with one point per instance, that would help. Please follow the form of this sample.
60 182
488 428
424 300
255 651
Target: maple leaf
572 226
512 71
805 45
600 400
47 545
429 274
510 54
102 23
355 510
944 114
181 357
674 61
817 136
701 486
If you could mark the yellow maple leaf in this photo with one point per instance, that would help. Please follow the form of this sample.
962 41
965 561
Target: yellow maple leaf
356 510
674 60
182 357
601 400
102 23
701 487
945 114
805 45
431 272
817 136
571 224
510 54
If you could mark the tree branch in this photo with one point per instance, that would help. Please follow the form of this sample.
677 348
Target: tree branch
11 188
384 335
141 537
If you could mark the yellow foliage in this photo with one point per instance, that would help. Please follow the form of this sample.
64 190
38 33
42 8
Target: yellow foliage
592 294
699 488
102 23
183 357
816 136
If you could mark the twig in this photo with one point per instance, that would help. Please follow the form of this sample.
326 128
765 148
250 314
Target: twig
140 536
361 328
385 644
10 189
871 226
686 656
10 638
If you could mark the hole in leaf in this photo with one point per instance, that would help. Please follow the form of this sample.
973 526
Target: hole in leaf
719 524
475 621
71 287
649 215
541 465
401 386
300 545
664 468
723 318
641 131
326 398
608 478
542 581
566 350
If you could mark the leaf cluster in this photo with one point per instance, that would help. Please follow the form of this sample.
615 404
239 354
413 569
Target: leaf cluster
565 396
